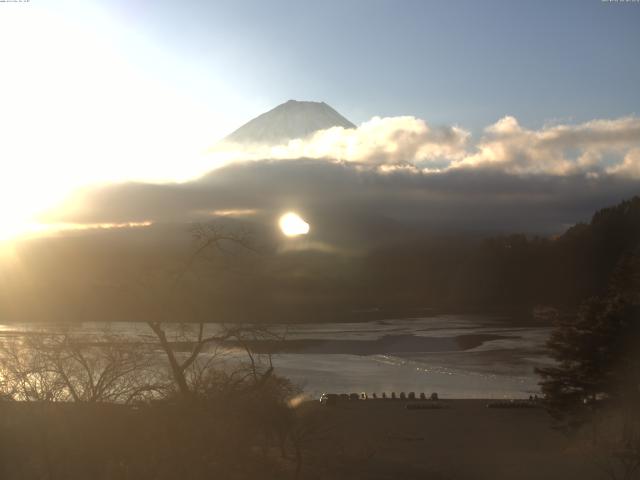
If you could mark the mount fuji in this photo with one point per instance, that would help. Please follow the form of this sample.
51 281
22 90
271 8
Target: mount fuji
292 119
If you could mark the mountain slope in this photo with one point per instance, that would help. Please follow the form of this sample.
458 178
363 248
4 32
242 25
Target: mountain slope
292 119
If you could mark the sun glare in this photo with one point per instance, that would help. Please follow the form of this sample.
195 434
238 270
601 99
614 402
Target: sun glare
99 118
292 225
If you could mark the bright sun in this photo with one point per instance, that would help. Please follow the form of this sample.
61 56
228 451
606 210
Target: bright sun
293 225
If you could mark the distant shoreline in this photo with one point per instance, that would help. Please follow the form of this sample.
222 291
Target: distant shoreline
520 317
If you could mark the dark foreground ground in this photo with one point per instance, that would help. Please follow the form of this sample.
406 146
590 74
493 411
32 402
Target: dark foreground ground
372 439
464 440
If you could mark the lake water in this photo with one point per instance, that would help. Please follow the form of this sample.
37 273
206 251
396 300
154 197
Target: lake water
495 369
427 355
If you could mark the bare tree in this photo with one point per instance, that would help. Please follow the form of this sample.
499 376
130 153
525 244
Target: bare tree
65 367
184 350
25 373
187 368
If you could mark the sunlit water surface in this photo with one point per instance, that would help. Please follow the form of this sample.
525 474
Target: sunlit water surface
495 369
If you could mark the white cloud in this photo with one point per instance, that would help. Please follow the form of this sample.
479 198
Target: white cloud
379 141
594 148
400 168
630 167
589 148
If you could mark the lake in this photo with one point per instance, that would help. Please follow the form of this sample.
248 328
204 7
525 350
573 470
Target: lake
457 356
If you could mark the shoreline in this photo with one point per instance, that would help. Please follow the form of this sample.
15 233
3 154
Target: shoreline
521 317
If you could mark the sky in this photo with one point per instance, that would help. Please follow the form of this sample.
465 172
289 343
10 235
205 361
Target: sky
100 92
467 62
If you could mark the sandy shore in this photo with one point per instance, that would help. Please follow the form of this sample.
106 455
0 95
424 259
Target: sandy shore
464 440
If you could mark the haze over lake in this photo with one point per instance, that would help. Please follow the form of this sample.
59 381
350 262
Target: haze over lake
458 356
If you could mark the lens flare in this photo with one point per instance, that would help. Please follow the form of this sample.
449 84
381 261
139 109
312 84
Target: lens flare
293 225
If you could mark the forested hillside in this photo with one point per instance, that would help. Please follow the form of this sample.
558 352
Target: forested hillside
132 275
514 270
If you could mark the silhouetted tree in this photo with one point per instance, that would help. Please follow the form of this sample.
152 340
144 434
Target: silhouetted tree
597 357
189 340
63 367
596 379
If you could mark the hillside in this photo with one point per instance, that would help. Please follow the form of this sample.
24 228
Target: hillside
120 275
515 270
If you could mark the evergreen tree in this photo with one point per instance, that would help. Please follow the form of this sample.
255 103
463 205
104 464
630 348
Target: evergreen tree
597 351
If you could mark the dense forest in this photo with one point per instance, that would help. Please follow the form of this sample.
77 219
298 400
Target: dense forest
132 274
513 270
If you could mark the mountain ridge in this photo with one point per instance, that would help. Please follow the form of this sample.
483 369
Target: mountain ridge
290 120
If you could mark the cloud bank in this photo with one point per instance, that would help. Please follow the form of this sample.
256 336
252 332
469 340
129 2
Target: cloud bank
377 142
593 148
395 177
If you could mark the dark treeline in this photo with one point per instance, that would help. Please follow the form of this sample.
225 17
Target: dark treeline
511 270
516 272
118 275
